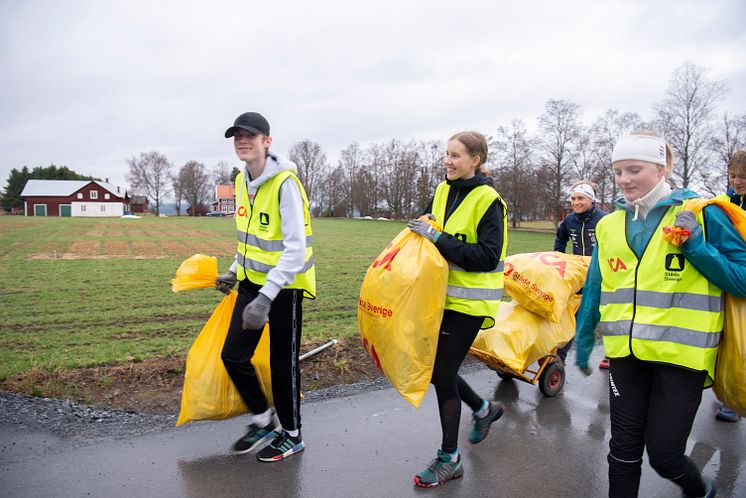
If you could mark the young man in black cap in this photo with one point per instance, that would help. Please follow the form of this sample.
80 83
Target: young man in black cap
274 270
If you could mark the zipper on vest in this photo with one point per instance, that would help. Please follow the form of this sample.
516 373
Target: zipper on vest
582 238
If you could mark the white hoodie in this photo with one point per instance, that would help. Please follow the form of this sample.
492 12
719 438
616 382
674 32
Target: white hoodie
293 255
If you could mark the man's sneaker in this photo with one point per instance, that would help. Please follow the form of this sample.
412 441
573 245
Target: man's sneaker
440 470
254 438
482 425
604 364
726 414
281 447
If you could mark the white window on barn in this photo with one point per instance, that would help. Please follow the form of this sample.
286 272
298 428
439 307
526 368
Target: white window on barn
103 208
82 208
80 195
94 194
107 196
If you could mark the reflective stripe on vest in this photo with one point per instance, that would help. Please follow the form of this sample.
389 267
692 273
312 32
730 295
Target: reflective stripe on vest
658 308
468 292
259 233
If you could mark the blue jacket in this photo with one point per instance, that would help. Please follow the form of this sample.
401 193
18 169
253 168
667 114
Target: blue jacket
738 200
581 229
721 259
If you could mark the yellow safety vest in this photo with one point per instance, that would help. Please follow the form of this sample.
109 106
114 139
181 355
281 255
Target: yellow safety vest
727 198
659 308
259 231
469 292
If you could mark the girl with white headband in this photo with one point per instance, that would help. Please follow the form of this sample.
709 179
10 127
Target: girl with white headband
660 311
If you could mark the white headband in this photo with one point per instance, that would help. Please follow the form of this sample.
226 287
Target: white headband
640 147
585 189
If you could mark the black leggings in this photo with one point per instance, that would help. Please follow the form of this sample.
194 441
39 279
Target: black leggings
652 406
285 320
457 332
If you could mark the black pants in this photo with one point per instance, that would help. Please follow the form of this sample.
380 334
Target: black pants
652 406
457 333
285 325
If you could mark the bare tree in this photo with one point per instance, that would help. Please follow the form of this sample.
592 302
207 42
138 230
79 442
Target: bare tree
350 162
514 168
196 185
684 117
150 174
178 191
559 129
605 131
728 138
311 162
221 173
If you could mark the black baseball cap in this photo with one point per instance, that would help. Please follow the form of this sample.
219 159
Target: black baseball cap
250 121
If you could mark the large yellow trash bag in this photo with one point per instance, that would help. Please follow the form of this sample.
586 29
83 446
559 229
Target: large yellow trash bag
208 391
400 309
730 369
521 337
544 282
197 272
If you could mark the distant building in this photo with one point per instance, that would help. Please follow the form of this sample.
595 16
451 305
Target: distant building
225 199
139 204
74 198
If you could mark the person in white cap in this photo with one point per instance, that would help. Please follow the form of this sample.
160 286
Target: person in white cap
660 311
580 228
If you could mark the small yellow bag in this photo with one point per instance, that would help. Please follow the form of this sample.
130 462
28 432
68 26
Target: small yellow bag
400 309
196 272
521 337
544 282
208 391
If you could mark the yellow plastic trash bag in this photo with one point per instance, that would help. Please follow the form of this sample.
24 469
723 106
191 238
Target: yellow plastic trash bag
196 272
209 392
521 337
400 309
730 369
544 282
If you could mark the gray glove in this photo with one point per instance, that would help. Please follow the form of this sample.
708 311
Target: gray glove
225 282
256 313
425 229
687 220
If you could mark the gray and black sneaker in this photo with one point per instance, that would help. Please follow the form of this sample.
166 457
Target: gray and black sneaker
255 437
482 425
281 447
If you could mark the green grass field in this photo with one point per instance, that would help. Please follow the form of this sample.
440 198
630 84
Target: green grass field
78 292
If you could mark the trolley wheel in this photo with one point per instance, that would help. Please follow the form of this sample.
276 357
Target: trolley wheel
505 376
552 380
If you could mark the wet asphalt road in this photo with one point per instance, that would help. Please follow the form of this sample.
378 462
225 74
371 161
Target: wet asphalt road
370 445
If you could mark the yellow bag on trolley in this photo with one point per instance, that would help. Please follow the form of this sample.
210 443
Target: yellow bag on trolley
730 369
520 337
400 309
545 282
209 392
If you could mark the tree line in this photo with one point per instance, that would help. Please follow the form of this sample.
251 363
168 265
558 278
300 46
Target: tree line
532 171
11 195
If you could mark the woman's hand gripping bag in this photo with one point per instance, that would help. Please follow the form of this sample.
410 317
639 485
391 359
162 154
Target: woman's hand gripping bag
400 309
208 391
545 282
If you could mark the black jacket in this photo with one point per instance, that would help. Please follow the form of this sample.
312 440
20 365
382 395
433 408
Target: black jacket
485 254
581 229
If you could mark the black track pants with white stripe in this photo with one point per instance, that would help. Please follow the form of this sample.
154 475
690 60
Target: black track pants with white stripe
285 327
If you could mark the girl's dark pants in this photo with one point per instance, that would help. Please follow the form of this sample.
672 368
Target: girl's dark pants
652 406
457 333
285 325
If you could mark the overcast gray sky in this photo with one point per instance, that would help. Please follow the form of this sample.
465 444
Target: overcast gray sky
89 84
